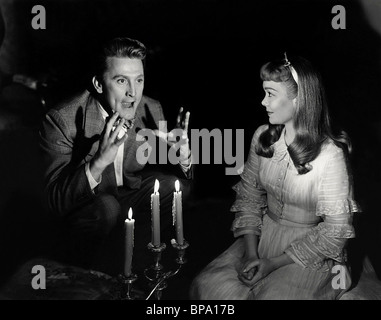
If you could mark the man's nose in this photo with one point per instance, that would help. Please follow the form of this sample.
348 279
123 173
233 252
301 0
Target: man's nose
131 90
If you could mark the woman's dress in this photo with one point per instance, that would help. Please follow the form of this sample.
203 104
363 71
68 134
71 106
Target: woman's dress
308 217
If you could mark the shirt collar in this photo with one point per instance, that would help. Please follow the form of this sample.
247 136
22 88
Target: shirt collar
103 111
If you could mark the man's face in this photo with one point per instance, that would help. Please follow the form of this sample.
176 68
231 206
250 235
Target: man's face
122 85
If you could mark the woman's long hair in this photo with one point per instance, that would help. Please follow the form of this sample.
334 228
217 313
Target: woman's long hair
311 118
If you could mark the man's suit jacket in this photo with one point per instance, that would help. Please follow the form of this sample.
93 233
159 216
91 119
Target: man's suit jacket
69 138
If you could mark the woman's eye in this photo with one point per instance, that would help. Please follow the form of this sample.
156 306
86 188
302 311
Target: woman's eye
269 94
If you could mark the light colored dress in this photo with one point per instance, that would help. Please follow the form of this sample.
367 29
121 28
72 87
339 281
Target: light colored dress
308 217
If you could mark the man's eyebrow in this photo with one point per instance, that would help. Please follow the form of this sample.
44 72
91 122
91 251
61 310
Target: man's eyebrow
126 77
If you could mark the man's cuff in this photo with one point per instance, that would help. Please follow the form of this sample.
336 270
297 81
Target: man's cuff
92 182
186 167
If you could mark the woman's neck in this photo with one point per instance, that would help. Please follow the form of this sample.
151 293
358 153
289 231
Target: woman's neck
289 134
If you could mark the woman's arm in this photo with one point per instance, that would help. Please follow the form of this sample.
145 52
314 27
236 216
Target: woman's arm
336 206
251 198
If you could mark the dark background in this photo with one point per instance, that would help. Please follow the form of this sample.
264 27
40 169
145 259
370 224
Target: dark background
204 55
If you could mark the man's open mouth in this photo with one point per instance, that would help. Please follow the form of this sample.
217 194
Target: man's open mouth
128 104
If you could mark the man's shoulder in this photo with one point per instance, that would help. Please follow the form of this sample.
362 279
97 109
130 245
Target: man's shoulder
72 103
150 101
150 108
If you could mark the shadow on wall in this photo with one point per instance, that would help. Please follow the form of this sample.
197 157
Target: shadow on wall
368 140
25 229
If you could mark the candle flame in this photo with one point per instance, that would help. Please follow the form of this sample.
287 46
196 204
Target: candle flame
130 214
177 186
156 187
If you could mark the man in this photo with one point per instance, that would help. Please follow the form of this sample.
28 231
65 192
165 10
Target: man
93 175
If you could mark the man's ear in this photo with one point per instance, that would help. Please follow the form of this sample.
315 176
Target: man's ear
97 84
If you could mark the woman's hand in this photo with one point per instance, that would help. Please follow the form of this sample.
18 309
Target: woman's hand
256 269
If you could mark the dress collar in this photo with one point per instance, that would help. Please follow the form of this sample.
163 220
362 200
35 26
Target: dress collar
280 148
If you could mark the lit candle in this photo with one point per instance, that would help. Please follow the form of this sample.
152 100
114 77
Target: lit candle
155 215
129 224
177 212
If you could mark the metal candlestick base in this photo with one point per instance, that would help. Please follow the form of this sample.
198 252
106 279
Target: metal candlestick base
154 274
127 292
181 251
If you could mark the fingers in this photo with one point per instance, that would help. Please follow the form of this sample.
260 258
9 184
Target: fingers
250 277
160 134
186 121
179 117
258 276
249 265
245 280
110 123
117 130
120 141
249 274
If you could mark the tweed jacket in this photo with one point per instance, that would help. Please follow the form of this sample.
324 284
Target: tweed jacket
69 138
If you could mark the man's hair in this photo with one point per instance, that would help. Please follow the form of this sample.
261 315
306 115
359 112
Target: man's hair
120 48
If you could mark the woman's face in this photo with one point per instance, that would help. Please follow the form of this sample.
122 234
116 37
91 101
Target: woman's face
280 108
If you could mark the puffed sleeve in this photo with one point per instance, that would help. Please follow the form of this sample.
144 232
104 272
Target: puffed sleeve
336 207
251 199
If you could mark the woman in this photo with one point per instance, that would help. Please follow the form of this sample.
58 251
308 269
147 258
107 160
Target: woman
294 203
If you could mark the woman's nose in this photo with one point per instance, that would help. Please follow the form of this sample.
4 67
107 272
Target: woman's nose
264 102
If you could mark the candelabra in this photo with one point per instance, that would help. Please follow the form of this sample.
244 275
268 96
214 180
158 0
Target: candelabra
156 275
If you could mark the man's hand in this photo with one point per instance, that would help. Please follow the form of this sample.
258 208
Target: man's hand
182 123
108 147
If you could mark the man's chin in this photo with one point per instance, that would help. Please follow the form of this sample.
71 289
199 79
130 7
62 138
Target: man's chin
129 116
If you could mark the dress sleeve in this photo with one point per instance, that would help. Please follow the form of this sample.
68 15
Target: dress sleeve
336 207
251 198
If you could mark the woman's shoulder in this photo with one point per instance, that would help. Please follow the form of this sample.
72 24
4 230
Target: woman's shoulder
259 131
262 128
329 151
330 147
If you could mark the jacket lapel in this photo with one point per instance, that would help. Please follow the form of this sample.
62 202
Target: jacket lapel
93 126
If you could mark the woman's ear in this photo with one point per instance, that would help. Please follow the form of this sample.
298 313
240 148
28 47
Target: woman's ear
97 85
294 101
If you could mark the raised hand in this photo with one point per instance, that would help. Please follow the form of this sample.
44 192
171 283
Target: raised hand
111 140
182 123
